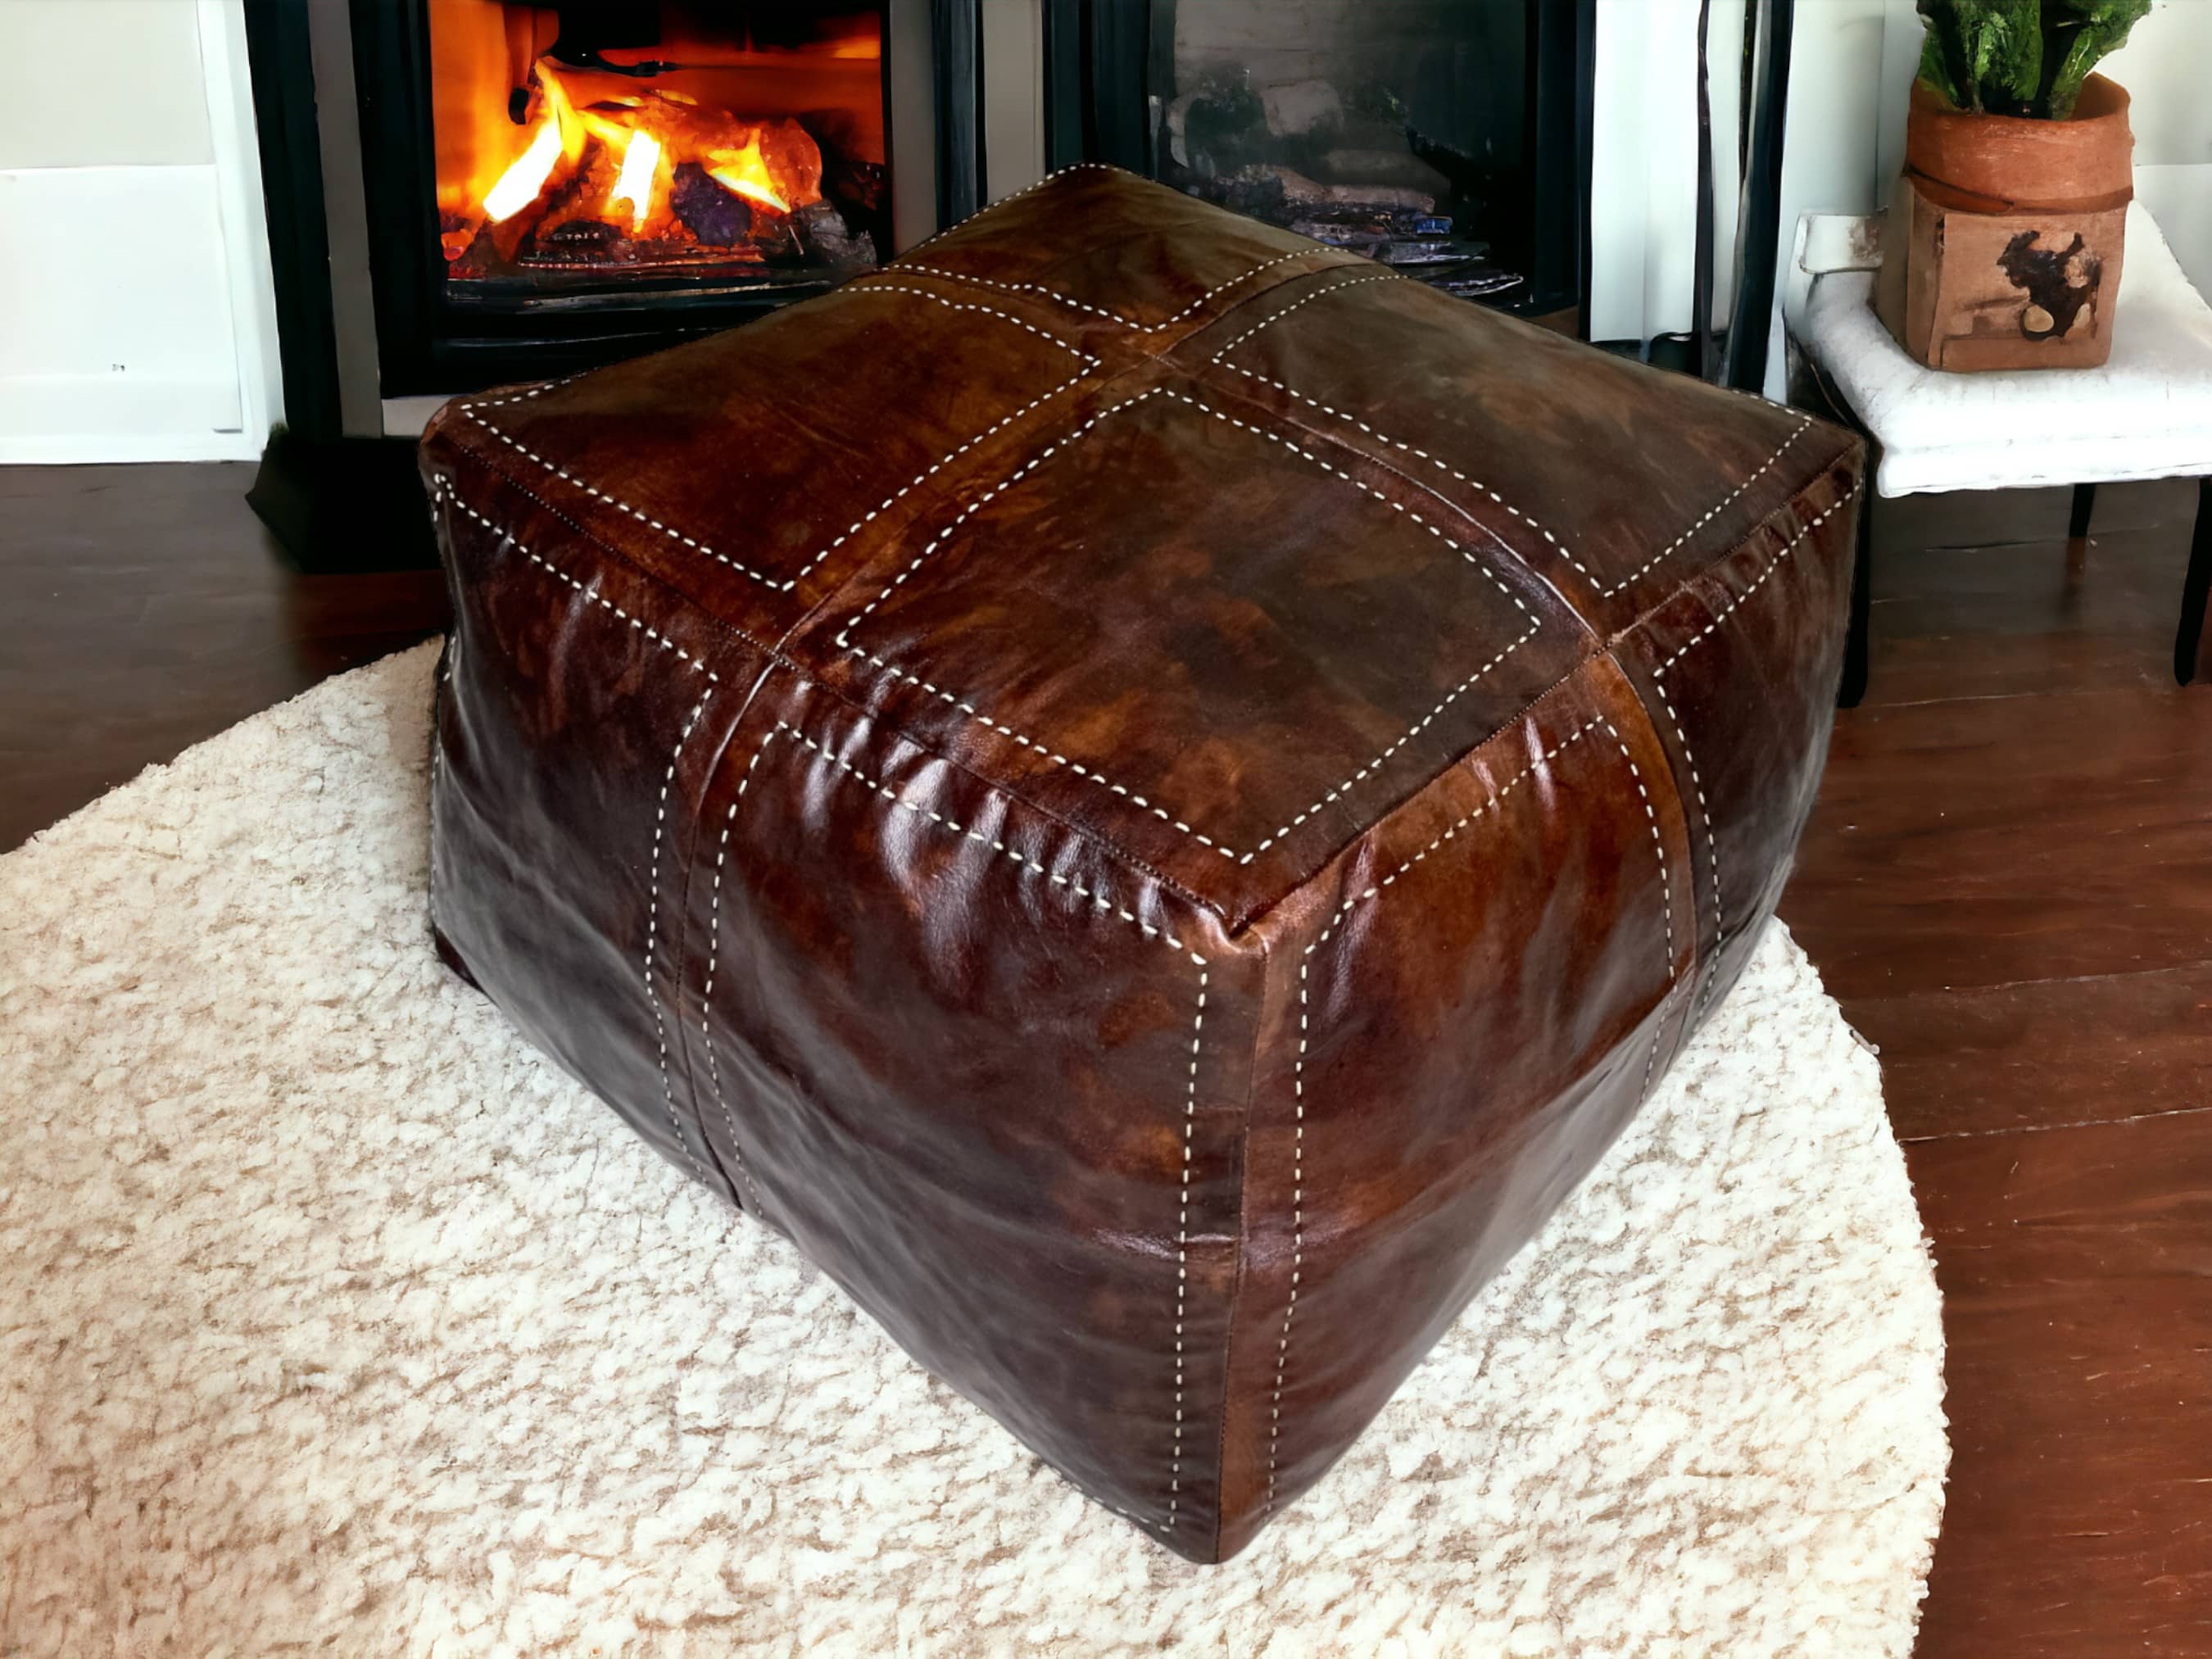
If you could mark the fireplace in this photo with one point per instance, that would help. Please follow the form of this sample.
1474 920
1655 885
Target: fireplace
552 185
465 193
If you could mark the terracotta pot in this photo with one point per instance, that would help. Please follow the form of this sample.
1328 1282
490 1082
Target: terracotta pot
2005 237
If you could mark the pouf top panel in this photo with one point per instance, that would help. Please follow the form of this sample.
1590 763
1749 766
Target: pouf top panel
1182 528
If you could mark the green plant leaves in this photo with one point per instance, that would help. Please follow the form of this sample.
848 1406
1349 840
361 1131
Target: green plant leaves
2099 27
2019 57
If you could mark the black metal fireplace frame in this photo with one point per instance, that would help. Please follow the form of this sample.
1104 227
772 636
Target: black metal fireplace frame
1100 66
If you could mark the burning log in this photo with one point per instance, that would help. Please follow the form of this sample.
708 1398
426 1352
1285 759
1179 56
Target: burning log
707 209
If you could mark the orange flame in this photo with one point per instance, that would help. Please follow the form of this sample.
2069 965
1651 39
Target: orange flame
649 134
634 184
519 186
744 172
559 138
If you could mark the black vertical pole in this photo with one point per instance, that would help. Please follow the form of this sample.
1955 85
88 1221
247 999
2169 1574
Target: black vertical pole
958 38
1701 265
1759 213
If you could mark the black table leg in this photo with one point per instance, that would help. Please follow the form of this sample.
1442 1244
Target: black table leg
2085 501
1854 641
2191 649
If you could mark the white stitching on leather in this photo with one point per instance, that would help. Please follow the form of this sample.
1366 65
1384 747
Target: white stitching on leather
1098 901
786 585
1712 841
867 285
1772 565
845 641
1658 843
1415 730
1299 304
1190 1103
993 207
507 538
1804 425
1564 550
1044 292
1183 1246
642 517
441 492
1086 361
1298 1067
1681 736
714 962
1013 288
1297 1225
652 934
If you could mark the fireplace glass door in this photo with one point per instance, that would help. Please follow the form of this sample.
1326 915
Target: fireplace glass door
1449 139
596 149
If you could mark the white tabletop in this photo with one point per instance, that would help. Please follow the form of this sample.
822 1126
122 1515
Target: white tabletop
2146 414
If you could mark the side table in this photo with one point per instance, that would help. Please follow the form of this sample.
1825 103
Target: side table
2146 414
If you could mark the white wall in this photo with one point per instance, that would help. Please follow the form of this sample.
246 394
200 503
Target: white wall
1851 65
2167 67
139 324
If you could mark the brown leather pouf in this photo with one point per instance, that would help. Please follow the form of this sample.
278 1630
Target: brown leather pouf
1152 794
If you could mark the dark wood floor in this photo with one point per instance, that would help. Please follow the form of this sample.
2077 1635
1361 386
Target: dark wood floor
147 608
2008 884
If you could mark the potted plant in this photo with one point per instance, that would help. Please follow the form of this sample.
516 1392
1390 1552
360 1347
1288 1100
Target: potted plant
2004 240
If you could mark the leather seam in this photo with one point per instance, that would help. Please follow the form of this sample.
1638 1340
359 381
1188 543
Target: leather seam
1242 1237
843 638
1720 558
1105 844
937 236
1757 581
1494 800
1129 323
653 936
685 955
1697 958
1089 363
1190 1092
1804 424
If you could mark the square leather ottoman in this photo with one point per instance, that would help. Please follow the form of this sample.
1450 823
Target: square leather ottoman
1150 792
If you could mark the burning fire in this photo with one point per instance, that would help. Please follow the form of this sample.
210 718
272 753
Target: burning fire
634 183
773 165
745 171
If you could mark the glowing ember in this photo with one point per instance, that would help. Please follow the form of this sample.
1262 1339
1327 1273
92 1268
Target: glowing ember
743 171
634 184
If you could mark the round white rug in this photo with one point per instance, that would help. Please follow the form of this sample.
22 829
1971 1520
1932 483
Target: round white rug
335 1317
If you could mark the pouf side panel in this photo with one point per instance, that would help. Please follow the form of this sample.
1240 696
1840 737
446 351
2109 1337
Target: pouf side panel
1484 990
1739 671
563 721
990 1078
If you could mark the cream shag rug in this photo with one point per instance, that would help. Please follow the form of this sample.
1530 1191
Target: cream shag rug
331 1317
